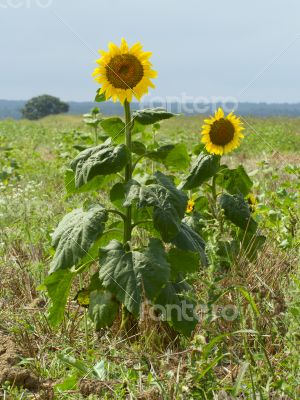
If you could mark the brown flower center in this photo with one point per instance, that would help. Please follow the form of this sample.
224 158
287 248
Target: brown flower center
221 132
124 71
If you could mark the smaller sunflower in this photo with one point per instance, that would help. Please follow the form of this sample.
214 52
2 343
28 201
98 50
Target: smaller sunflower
190 206
222 134
252 202
124 72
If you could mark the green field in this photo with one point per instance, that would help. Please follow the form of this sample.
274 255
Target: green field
254 356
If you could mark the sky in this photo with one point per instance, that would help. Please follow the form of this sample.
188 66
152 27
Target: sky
246 50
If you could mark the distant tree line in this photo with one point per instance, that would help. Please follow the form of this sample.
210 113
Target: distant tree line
45 106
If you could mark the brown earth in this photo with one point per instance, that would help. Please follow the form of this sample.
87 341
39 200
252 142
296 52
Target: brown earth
10 371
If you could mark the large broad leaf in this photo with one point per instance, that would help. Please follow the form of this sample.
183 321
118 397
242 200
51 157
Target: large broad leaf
93 185
58 286
151 115
183 261
104 159
171 155
133 275
75 234
235 180
176 308
103 308
114 127
203 168
169 204
237 211
189 240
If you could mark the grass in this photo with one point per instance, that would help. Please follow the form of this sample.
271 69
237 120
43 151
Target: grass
253 356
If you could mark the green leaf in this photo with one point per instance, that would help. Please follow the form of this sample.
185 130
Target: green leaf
203 168
228 250
169 204
171 155
189 240
75 235
103 308
234 180
134 274
92 186
114 127
79 365
183 261
237 211
104 159
151 115
178 157
138 148
58 286
117 194
100 97
178 310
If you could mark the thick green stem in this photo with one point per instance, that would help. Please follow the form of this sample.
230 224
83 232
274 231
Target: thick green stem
128 171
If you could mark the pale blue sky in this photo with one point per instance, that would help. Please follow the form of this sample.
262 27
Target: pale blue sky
200 48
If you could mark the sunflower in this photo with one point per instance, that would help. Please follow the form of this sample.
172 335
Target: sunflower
222 134
190 206
124 72
252 202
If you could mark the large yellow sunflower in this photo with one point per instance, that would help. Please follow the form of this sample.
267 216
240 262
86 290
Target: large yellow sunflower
124 72
222 134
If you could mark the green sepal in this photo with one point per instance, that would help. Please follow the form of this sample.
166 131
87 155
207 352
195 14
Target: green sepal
99 98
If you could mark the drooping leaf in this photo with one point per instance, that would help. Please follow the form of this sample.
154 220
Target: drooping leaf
75 234
115 128
93 185
178 157
58 286
237 211
161 153
132 275
171 155
169 203
104 159
177 309
149 116
189 240
235 180
79 365
138 148
203 168
183 261
103 308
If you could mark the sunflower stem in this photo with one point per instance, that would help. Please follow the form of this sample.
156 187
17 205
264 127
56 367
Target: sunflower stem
128 171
